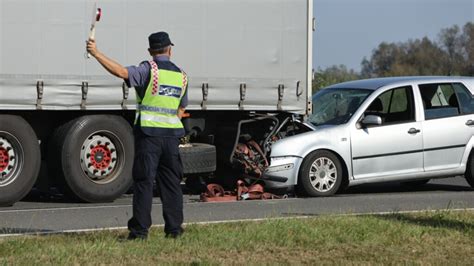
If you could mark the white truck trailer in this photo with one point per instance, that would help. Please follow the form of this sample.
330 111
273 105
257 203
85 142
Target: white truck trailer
65 122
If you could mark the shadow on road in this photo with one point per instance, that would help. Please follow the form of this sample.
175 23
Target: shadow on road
436 221
11 231
399 188
48 197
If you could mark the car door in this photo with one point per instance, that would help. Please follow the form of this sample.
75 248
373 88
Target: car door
395 146
448 125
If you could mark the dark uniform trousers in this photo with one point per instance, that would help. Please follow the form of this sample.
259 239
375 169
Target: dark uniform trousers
156 158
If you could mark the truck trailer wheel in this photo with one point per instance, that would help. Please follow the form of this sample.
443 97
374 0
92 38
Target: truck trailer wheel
94 157
198 158
20 159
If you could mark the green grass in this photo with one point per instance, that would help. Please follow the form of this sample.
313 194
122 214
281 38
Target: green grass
441 238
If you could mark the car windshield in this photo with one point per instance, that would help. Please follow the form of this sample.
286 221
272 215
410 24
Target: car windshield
336 106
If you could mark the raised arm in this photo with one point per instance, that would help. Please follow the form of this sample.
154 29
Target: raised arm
110 65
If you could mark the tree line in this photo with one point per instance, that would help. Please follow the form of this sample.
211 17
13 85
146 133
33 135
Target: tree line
452 54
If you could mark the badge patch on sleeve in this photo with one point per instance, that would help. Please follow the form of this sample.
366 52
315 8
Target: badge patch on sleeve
171 91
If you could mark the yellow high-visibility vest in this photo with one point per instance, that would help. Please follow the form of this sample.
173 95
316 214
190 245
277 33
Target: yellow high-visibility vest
159 106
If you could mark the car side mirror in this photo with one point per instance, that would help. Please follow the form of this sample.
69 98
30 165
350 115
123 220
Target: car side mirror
371 120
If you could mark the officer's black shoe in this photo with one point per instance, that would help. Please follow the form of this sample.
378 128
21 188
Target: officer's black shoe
175 234
136 237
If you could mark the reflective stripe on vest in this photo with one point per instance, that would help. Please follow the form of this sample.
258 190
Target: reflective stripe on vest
159 106
142 107
161 119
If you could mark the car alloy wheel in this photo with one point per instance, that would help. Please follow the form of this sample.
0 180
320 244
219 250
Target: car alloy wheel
323 174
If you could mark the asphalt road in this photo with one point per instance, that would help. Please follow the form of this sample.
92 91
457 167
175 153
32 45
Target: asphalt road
39 214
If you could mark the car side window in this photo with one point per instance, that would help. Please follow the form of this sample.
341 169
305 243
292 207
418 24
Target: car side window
465 99
439 100
393 106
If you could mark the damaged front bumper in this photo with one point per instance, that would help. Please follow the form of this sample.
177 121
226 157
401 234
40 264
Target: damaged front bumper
282 172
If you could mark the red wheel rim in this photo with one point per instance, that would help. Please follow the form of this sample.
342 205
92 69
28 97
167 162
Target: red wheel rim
11 158
100 157
4 159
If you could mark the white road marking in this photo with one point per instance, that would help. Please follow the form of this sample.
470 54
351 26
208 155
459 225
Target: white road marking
68 208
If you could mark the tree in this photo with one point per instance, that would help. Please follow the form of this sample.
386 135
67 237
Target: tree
452 54
467 40
383 59
332 75
422 57
414 57
450 40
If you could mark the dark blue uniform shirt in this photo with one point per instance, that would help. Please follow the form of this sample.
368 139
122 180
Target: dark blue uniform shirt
139 77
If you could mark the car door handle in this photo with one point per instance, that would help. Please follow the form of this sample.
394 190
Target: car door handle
413 131
470 122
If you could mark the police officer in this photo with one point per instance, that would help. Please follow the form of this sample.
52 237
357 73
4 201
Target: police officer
161 89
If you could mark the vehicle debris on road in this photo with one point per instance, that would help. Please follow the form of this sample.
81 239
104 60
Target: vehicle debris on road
216 193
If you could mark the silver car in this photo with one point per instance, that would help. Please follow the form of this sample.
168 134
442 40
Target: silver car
408 129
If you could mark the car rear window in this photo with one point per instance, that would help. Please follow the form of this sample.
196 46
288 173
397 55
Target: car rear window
439 100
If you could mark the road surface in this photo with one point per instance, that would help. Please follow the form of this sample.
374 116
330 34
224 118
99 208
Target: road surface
38 214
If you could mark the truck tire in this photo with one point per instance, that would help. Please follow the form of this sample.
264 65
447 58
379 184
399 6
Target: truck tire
198 158
20 159
320 175
92 157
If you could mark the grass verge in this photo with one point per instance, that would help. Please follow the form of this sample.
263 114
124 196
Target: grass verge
441 237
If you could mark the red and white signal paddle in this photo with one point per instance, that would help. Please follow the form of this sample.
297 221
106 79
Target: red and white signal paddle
96 14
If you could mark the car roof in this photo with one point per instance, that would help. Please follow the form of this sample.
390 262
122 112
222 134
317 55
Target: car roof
376 83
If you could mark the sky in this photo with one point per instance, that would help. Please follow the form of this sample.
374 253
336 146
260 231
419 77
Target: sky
348 30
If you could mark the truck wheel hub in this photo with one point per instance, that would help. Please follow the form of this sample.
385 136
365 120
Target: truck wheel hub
7 160
4 159
98 157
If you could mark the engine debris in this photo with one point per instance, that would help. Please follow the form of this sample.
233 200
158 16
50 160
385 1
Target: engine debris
250 158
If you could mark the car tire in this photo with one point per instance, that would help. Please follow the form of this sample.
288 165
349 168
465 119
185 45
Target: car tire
198 158
20 159
92 157
469 174
320 174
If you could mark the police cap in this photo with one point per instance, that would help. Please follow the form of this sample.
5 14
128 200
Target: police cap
159 40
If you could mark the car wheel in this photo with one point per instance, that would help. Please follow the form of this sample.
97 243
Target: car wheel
93 157
320 174
469 174
20 159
